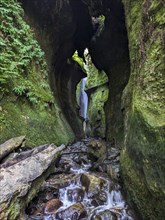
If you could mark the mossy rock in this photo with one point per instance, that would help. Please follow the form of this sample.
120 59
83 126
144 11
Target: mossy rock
150 207
96 111
142 158
40 124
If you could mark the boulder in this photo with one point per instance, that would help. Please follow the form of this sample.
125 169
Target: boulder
75 195
52 206
59 181
76 212
97 148
21 181
95 188
113 171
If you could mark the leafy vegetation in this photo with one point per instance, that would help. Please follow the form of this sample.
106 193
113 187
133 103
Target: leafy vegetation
27 106
79 61
23 69
96 81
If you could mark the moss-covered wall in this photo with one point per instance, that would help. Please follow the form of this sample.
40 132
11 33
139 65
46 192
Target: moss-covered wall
97 90
98 98
27 105
143 154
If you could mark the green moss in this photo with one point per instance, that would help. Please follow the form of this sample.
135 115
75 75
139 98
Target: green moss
96 111
156 11
27 104
143 152
98 91
41 124
20 52
79 60
150 206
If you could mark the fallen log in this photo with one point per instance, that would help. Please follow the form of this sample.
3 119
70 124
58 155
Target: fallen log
21 181
10 145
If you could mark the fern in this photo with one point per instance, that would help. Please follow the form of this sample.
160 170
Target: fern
16 41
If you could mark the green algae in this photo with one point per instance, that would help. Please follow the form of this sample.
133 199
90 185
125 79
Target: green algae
27 104
96 111
142 159
97 89
41 124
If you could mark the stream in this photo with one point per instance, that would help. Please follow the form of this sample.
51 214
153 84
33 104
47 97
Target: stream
84 186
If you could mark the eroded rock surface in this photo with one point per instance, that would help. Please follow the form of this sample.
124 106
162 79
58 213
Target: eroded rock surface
21 181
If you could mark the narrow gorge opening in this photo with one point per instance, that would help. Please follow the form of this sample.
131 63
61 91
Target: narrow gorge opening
92 94
70 26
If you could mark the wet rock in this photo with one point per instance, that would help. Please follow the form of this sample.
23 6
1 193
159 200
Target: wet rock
59 181
75 195
93 190
74 212
49 195
21 181
104 215
52 206
78 147
99 164
102 197
102 168
97 148
113 171
92 184
69 162
37 215
113 154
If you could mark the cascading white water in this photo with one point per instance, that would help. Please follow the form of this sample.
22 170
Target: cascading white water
83 100
83 193
114 200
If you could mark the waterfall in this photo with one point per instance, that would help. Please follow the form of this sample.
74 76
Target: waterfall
83 100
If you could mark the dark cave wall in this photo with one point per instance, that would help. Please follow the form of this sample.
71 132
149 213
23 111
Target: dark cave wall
61 31
64 27
109 52
135 113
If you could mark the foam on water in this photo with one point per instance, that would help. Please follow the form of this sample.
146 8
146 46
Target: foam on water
78 192
114 201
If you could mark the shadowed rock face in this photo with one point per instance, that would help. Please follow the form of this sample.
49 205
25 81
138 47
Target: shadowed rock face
109 52
66 26
61 30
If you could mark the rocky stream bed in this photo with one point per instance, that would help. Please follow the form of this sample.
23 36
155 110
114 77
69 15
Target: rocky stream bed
84 185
